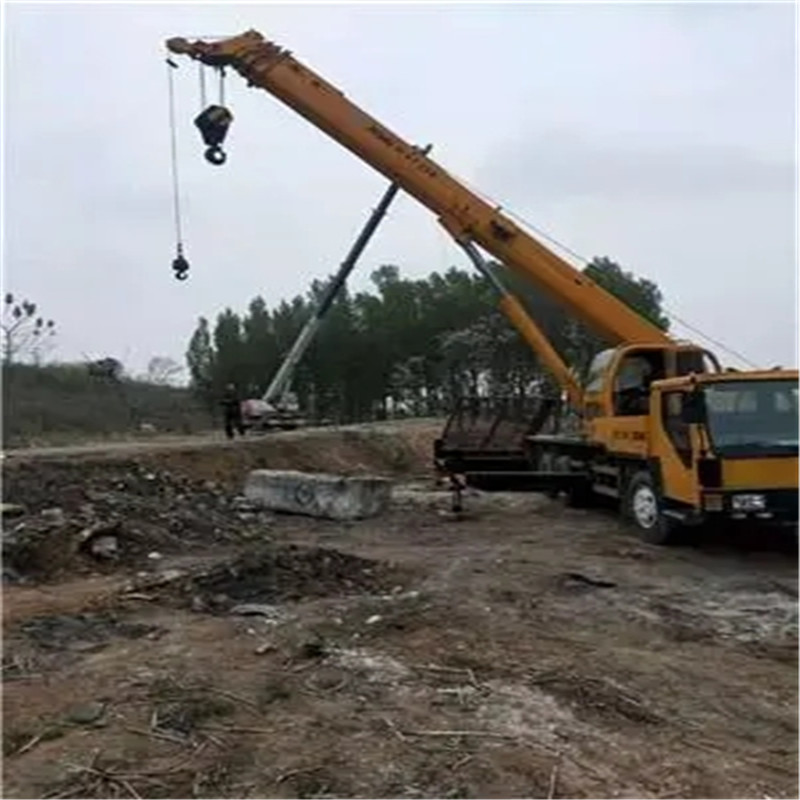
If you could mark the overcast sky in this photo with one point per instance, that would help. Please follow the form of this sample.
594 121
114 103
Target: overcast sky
661 136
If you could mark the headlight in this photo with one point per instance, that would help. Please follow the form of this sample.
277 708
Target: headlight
748 502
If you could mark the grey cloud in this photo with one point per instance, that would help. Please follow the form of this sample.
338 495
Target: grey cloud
648 126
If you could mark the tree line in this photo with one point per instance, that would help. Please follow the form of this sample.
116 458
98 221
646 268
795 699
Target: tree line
415 345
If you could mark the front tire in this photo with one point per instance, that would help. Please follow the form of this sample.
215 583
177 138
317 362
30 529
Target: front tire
643 508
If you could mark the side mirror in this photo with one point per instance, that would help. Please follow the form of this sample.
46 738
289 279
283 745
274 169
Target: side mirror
693 408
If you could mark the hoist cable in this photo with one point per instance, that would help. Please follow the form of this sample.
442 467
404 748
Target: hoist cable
176 196
668 312
585 262
202 75
222 86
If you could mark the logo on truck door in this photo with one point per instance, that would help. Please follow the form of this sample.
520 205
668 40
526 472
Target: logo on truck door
636 436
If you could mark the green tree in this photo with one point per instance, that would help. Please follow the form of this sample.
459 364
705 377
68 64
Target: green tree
577 343
201 361
419 343
260 347
163 371
639 294
231 354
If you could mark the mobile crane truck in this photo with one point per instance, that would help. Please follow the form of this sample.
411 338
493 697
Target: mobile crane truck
278 408
665 432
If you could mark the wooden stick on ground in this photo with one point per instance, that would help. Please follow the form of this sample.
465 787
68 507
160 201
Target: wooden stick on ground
397 732
554 779
485 734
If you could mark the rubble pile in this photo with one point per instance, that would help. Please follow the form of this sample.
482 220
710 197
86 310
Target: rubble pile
64 517
280 574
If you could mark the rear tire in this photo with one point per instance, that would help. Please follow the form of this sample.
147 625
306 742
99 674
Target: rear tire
643 508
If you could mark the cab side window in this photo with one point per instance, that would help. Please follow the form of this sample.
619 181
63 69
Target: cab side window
631 387
597 371
677 430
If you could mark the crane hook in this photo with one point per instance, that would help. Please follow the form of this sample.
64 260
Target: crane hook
216 155
213 124
180 266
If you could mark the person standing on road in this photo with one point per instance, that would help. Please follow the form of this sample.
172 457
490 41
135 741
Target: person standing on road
232 409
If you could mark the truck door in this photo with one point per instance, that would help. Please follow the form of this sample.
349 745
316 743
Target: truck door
672 447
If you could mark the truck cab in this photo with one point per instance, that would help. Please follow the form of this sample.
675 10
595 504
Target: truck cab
720 447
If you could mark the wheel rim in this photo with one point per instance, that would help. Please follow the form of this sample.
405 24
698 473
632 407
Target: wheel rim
645 507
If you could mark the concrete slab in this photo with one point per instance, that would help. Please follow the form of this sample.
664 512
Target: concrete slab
317 494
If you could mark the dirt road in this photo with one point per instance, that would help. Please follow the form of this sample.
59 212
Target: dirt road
522 650
211 439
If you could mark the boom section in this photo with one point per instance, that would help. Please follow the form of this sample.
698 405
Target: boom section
463 213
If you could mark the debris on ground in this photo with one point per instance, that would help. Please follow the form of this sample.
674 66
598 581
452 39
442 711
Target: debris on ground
126 515
525 649
251 584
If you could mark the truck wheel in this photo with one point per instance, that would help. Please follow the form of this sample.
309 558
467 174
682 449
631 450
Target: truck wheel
642 507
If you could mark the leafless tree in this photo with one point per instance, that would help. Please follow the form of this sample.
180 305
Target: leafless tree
25 335
163 371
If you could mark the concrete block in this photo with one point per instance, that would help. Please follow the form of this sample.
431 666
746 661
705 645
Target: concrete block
318 495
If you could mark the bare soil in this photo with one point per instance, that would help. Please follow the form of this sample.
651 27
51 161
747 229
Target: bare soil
520 649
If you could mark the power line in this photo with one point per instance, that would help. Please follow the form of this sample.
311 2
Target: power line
585 262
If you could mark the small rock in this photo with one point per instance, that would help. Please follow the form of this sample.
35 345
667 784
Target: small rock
250 609
266 647
105 547
313 649
86 714
374 618
100 540
169 575
142 676
54 515
241 503
11 509
155 556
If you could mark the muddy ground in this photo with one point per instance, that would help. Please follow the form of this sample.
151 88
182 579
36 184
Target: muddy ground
164 639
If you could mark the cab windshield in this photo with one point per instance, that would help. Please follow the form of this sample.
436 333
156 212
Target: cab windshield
753 417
